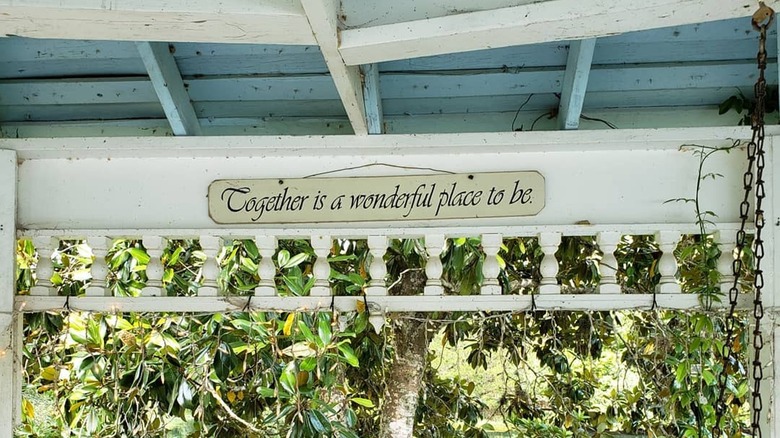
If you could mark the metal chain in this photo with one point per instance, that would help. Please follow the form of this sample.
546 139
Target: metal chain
755 155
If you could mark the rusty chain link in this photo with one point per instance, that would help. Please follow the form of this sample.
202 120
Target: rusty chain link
762 19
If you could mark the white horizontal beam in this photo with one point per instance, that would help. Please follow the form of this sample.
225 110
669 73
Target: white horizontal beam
323 19
580 170
575 82
226 21
452 231
385 304
371 146
537 22
656 117
167 82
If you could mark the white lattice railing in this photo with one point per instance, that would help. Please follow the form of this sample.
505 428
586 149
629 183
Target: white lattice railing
608 296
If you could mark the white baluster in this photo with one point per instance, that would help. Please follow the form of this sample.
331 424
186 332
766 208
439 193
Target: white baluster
266 246
211 246
98 287
491 244
377 246
434 245
45 268
667 266
727 242
608 242
154 269
322 246
549 242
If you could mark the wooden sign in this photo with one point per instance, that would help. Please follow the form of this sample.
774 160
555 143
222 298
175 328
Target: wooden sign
366 199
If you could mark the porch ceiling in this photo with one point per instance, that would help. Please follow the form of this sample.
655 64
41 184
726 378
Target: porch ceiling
426 77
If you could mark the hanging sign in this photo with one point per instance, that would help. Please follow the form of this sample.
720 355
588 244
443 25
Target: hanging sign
366 199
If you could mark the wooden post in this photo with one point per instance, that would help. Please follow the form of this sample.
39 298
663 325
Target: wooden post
100 247
321 246
434 245
211 246
45 268
266 246
667 266
10 323
154 270
491 244
549 242
377 245
726 241
608 242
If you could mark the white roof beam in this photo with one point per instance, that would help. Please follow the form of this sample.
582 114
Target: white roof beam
323 19
372 99
551 20
167 82
226 21
575 82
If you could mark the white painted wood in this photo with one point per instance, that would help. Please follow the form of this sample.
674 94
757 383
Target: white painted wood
372 98
434 246
167 82
430 303
491 244
227 21
45 246
211 245
65 194
360 13
377 246
552 20
549 243
726 242
154 270
266 246
321 244
267 242
667 266
773 408
494 121
654 139
608 242
99 268
323 19
10 355
771 260
575 82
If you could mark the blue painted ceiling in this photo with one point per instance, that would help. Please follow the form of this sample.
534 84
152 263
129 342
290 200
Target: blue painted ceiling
64 80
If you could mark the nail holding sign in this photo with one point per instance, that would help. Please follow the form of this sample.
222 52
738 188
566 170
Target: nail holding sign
366 199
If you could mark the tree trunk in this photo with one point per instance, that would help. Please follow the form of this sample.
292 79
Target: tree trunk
405 375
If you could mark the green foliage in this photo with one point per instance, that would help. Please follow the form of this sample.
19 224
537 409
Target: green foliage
307 374
744 106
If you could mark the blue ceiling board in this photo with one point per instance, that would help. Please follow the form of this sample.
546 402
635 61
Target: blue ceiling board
201 59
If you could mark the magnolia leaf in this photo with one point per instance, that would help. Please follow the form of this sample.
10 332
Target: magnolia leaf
288 324
366 403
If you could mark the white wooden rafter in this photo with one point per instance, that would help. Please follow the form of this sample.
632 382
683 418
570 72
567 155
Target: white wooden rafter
372 98
226 21
169 86
575 82
323 21
537 22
